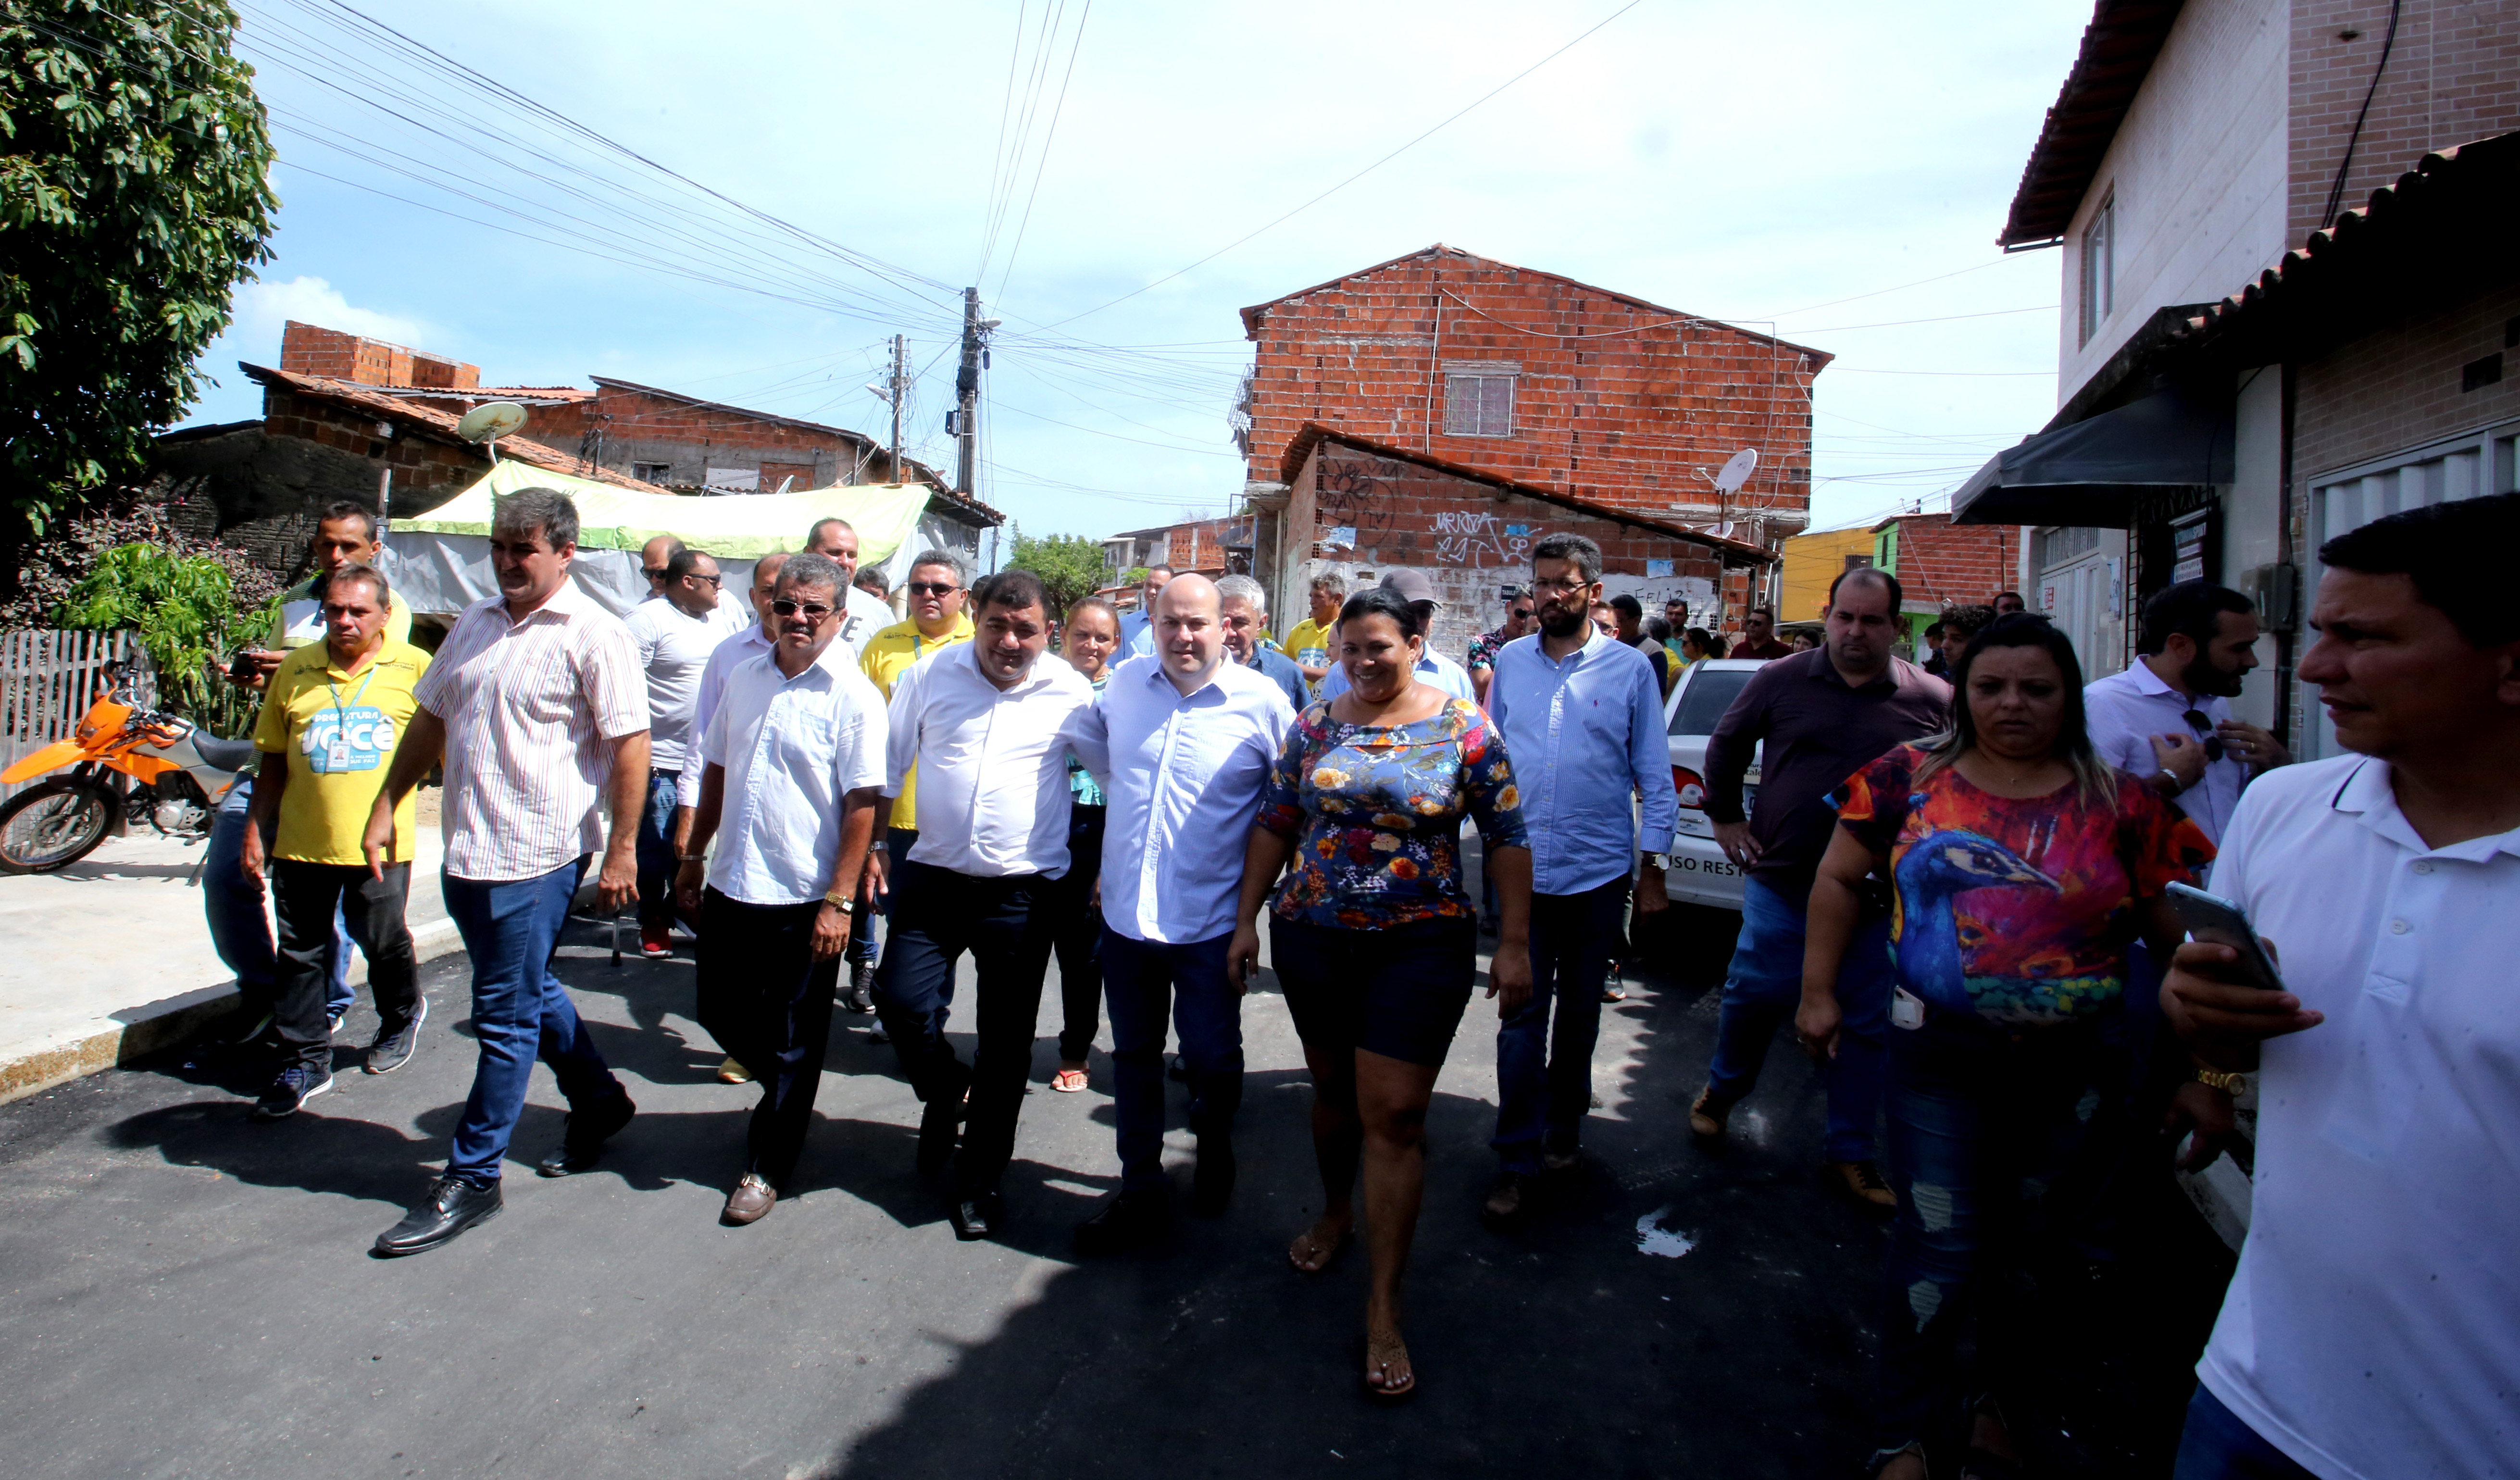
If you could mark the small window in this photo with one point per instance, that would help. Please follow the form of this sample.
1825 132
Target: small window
652 472
1478 405
2099 267
1859 562
2476 375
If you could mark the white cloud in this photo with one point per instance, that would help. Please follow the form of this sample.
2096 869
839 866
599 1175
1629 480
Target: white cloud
261 308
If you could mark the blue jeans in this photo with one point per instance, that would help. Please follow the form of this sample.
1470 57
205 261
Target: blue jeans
1545 1084
1763 987
2218 1445
656 850
238 930
521 1012
1146 979
1998 1142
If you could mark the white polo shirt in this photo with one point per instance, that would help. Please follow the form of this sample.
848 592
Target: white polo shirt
793 748
1182 776
2127 709
2372 1330
993 796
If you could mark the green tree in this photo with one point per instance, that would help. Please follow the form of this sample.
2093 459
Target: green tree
185 609
133 199
1070 564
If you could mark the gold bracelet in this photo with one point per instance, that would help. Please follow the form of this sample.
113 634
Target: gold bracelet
2220 1079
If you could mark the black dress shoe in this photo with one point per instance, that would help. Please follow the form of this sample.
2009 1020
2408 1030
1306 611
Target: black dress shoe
1130 1220
1211 1186
582 1138
451 1207
978 1216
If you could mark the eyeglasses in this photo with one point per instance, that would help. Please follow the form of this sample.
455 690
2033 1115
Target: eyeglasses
931 588
711 579
2203 726
1562 588
814 612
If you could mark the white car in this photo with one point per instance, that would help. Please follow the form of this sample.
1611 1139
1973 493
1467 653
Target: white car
1699 872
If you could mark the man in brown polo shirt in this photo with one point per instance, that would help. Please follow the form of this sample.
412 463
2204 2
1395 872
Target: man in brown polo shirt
1823 715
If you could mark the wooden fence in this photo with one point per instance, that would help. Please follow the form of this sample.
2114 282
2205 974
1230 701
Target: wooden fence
49 679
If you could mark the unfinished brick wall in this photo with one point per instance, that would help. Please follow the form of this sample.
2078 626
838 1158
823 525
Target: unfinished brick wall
1362 512
426 473
638 427
1614 400
1964 564
2454 75
310 349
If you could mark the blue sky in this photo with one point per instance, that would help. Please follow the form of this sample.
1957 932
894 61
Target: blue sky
1797 165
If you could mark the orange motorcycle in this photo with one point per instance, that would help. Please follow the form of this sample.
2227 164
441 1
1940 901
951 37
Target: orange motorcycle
157 767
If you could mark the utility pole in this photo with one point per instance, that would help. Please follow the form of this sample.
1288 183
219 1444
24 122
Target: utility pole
900 379
967 395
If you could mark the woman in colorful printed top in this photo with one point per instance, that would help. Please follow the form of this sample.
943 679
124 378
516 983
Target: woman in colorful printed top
2022 868
1093 635
1373 937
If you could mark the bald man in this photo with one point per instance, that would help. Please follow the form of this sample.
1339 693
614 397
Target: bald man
1182 740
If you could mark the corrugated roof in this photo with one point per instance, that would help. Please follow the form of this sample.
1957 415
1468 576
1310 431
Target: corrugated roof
430 420
1313 433
2118 51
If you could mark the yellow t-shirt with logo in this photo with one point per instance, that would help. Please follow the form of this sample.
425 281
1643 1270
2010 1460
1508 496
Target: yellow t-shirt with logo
1309 643
339 730
888 654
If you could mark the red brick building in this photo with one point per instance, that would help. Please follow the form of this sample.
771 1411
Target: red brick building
1940 563
1540 379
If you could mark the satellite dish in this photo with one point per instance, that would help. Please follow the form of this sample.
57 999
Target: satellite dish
489 422
1736 470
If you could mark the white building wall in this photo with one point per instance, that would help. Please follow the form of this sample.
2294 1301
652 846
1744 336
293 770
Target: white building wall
2197 172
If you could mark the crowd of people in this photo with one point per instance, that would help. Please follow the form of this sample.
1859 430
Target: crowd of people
1960 891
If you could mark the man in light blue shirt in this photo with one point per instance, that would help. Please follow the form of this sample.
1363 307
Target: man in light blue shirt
1137 628
1182 743
1582 718
1433 668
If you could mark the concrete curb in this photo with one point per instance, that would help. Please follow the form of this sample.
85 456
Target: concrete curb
137 1032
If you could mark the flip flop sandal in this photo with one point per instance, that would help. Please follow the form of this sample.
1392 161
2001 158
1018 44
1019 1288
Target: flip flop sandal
1067 1081
1325 1256
1396 1347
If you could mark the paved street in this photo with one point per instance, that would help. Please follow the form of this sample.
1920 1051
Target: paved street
189 1294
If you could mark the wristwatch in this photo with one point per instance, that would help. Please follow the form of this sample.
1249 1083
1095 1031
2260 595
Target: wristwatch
2218 1079
846 903
2176 784
691 858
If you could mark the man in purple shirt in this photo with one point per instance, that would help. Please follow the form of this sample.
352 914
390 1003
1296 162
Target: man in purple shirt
1823 715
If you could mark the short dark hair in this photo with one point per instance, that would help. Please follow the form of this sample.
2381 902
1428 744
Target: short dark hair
945 557
2015 594
1968 621
1898 593
2190 608
1015 590
1933 631
1381 601
1152 569
349 508
2457 555
871 579
547 513
682 562
358 571
1770 613
1628 605
806 568
1574 549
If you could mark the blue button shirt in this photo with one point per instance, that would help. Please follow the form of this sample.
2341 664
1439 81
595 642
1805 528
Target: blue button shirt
1584 734
1282 670
1433 668
1136 635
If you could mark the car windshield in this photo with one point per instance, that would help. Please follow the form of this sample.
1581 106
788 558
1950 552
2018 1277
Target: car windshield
1709 692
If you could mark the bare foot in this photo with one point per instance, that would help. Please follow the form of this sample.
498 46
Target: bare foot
1315 1247
1387 1372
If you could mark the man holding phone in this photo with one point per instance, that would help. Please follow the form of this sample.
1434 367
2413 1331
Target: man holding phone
2373 1325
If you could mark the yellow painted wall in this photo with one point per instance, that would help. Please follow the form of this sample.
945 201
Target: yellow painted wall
1811 561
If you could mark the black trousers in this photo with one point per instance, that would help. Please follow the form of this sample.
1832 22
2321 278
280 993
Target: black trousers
768 1003
1004 925
1077 935
303 898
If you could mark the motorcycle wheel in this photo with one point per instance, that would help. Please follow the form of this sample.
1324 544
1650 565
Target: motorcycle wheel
52 825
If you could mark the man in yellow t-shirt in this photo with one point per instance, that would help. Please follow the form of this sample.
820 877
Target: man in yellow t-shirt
1309 643
326 735
937 621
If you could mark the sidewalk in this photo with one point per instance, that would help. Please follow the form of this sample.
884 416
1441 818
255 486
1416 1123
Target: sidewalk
110 959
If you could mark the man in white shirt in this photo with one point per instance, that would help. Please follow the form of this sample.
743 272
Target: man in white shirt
658 554
981 720
676 633
1137 628
1181 742
793 759
537 703
862 613
2372 1328
1432 668
2166 716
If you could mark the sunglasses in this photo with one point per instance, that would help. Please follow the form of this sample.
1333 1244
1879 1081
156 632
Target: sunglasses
654 573
2197 721
931 588
711 579
814 610
1520 614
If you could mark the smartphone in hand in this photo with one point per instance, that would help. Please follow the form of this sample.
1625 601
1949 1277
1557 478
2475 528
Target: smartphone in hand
2218 921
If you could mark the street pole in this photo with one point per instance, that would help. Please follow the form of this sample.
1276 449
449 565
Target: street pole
967 395
900 353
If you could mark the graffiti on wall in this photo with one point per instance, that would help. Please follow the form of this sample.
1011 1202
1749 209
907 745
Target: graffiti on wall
1481 540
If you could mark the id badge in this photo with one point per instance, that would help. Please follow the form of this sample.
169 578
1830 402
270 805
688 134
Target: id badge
1907 1009
336 756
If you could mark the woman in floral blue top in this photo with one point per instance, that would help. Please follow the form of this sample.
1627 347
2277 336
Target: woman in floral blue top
1375 939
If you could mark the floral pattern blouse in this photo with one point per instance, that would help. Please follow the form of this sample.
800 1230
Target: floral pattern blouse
1375 811
1083 790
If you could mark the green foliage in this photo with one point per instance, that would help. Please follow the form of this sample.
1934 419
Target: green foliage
1135 575
184 608
1070 564
133 198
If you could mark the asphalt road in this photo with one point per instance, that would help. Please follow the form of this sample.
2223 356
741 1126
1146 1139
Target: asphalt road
189 1294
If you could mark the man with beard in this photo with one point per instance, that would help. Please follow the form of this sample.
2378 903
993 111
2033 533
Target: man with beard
2167 717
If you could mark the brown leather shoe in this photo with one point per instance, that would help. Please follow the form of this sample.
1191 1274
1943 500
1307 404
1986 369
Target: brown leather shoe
1862 1181
751 1200
1706 1118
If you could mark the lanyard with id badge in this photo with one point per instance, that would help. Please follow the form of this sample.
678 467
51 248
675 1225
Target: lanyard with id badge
336 754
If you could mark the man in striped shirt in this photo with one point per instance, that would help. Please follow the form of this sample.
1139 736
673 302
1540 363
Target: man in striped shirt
537 701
